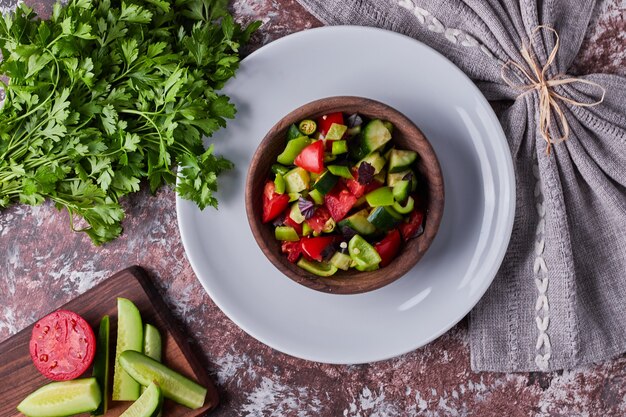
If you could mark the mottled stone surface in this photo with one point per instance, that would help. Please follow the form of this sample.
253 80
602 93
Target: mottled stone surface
43 265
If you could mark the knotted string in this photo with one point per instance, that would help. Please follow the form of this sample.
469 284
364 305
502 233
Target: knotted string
548 98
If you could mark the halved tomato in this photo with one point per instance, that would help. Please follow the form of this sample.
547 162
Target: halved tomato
62 345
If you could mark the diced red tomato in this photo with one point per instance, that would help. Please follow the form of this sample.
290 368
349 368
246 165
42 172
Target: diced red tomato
339 202
62 345
312 157
356 188
313 247
325 122
319 219
291 222
389 247
273 204
293 250
412 227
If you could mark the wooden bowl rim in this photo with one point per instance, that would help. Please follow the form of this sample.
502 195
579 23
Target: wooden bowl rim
347 282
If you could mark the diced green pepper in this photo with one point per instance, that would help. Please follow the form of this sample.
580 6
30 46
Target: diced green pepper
340 171
306 229
318 198
296 180
336 131
286 233
329 157
362 252
293 149
279 184
293 132
339 147
279 169
321 269
329 226
382 196
307 127
294 196
406 208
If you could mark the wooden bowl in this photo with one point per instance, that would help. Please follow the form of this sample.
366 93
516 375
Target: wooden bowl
405 135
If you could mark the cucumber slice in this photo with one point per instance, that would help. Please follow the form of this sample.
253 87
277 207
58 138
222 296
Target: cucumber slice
173 385
321 269
101 365
153 348
152 343
359 223
62 399
129 337
341 261
400 160
147 405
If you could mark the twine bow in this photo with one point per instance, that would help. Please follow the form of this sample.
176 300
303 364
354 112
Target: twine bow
548 98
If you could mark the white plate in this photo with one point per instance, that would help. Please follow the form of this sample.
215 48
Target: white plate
474 233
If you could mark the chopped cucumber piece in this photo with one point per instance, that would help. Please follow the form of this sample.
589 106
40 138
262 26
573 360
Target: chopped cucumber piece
362 252
279 184
339 147
294 196
401 190
173 385
279 169
376 160
307 127
325 182
295 213
293 132
147 405
406 208
359 223
64 398
388 125
296 180
286 233
382 196
318 198
381 177
384 218
101 365
336 131
341 261
400 160
321 269
353 131
129 338
373 137
293 149
340 171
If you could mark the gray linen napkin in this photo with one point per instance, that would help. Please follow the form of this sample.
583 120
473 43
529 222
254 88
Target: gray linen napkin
558 300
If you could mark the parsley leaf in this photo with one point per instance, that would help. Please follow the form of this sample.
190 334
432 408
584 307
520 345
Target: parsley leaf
108 92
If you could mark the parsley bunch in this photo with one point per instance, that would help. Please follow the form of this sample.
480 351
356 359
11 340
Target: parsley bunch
107 92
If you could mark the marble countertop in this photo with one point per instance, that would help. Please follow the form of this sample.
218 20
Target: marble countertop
43 265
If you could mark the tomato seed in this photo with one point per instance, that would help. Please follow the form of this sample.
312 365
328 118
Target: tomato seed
43 357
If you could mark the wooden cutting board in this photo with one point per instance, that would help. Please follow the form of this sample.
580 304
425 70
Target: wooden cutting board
19 377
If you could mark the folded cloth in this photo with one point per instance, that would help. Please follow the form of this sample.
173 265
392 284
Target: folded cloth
558 300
